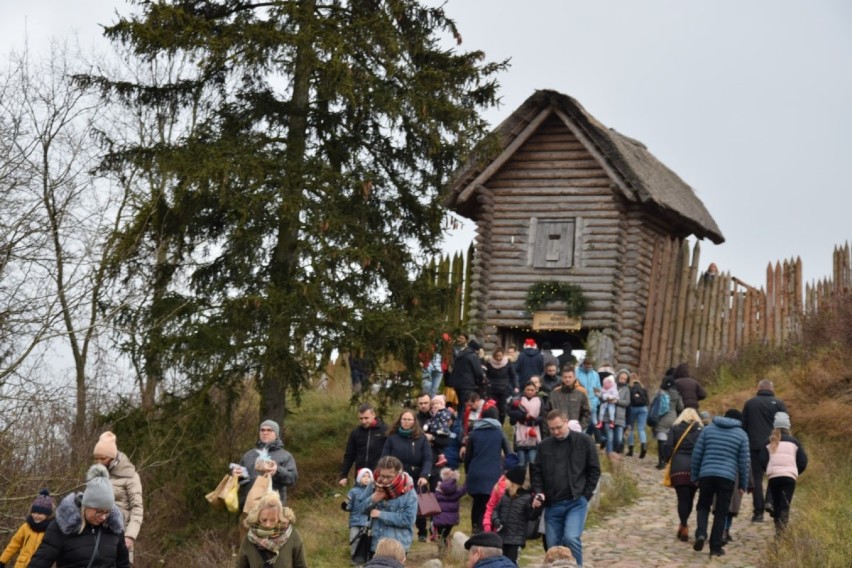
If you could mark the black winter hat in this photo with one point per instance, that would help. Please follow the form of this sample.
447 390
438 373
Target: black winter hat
517 474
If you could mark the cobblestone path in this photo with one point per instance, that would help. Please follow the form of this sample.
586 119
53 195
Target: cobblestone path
643 534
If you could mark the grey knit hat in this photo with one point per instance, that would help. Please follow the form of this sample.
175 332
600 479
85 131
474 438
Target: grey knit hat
782 420
98 493
272 424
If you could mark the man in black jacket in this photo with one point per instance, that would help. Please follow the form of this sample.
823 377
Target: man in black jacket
365 444
468 375
564 476
758 418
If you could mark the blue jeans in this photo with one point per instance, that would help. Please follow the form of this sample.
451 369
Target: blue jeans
639 419
564 522
431 381
526 455
613 439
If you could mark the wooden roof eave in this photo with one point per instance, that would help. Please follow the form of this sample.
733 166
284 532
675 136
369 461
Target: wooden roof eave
504 156
629 193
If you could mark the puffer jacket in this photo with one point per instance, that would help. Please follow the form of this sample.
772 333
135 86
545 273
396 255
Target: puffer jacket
285 475
127 488
512 514
681 469
65 545
721 451
448 494
396 517
788 460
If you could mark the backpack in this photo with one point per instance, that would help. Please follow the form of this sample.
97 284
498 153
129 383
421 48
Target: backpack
659 407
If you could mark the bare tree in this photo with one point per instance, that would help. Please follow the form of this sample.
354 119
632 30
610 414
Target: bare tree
65 216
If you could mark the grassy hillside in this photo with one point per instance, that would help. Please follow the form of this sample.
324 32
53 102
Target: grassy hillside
812 378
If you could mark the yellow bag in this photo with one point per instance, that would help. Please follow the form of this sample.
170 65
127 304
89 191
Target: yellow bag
231 498
667 475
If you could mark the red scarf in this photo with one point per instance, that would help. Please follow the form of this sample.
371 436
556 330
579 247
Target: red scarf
401 485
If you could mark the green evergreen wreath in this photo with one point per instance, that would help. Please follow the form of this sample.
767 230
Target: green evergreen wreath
542 293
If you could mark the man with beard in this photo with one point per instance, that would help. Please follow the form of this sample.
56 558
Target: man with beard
364 447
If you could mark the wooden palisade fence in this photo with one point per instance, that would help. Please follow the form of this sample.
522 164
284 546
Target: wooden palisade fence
454 274
692 317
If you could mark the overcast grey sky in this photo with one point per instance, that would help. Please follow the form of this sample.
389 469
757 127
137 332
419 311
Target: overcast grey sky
750 102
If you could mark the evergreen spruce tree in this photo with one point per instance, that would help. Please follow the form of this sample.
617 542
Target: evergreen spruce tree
299 207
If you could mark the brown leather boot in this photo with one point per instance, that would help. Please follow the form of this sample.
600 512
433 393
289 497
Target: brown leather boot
683 533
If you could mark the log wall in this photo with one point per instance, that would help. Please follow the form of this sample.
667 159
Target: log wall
550 177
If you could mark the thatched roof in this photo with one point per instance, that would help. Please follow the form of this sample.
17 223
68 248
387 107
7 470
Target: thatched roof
641 175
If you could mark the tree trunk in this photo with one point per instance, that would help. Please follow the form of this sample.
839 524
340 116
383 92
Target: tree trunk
279 370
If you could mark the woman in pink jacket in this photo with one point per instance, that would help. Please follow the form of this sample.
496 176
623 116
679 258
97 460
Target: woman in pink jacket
784 460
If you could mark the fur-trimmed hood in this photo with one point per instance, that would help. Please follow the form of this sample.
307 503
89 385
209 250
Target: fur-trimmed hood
69 516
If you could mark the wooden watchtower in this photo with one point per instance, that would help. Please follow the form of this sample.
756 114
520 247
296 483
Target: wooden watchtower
568 199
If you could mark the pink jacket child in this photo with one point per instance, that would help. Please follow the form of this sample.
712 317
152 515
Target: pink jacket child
497 492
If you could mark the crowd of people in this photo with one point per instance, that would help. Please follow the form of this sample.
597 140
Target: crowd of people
535 484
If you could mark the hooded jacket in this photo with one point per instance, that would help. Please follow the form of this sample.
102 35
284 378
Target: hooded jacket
529 363
65 545
127 488
482 459
448 495
689 389
285 475
722 451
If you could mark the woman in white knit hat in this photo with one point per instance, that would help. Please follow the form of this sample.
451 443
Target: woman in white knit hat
126 485
88 529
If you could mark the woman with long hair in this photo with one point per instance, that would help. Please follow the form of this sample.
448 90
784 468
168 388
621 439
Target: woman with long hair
407 443
784 460
677 449
637 415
